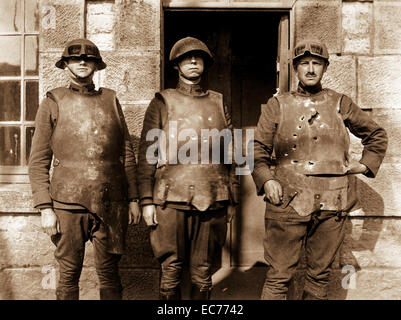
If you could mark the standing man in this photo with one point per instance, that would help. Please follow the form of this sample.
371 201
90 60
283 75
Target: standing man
309 195
184 202
93 193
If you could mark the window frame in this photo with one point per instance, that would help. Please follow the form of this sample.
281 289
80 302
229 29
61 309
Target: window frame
19 174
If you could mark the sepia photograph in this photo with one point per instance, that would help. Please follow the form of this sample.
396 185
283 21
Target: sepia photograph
213 150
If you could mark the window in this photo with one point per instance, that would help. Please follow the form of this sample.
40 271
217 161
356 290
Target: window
19 84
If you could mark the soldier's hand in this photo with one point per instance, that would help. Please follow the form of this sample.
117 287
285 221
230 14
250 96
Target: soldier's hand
355 167
134 213
273 191
149 215
50 223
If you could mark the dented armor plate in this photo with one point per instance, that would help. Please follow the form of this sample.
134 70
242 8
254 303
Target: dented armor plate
87 144
195 183
311 148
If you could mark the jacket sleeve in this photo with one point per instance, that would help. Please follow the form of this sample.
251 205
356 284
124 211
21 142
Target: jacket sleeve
233 178
146 170
263 143
130 164
41 153
373 136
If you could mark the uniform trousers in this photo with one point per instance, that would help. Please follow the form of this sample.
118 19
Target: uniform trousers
76 228
187 236
286 232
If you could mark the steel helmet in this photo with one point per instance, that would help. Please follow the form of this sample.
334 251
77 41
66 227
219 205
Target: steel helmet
78 48
310 47
188 44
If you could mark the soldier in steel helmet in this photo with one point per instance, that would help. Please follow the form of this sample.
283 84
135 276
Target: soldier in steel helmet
186 204
310 189
93 192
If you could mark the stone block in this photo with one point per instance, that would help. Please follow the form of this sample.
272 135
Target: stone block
319 20
390 120
387 27
357 27
104 41
25 284
137 24
16 198
24 244
138 251
133 76
100 24
51 77
140 284
341 75
61 21
379 82
134 115
380 196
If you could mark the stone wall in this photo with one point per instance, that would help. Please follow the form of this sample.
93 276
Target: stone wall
364 40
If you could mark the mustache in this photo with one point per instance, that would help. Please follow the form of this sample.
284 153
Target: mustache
310 74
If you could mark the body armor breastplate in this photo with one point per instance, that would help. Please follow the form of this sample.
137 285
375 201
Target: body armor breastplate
311 147
87 144
198 181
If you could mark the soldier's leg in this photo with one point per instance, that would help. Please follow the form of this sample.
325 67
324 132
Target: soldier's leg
70 251
321 247
106 263
207 232
168 243
282 246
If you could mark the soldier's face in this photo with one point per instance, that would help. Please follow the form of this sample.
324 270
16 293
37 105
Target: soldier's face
310 70
191 66
81 67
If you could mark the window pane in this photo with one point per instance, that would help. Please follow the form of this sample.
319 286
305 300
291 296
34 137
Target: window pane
31 16
32 99
10 16
10 146
10 105
31 55
29 136
10 56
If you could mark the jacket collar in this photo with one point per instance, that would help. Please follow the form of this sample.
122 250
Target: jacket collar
87 89
309 91
190 89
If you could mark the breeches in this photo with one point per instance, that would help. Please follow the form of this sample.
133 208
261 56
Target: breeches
322 234
191 237
76 228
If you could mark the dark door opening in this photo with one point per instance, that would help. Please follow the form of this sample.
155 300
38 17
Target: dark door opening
245 48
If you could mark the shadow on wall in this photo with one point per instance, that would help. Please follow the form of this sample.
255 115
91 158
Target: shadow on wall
361 235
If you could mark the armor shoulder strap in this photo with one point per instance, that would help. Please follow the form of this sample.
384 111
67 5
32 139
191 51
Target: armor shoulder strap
218 98
111 96
164 96
108 93
57 94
